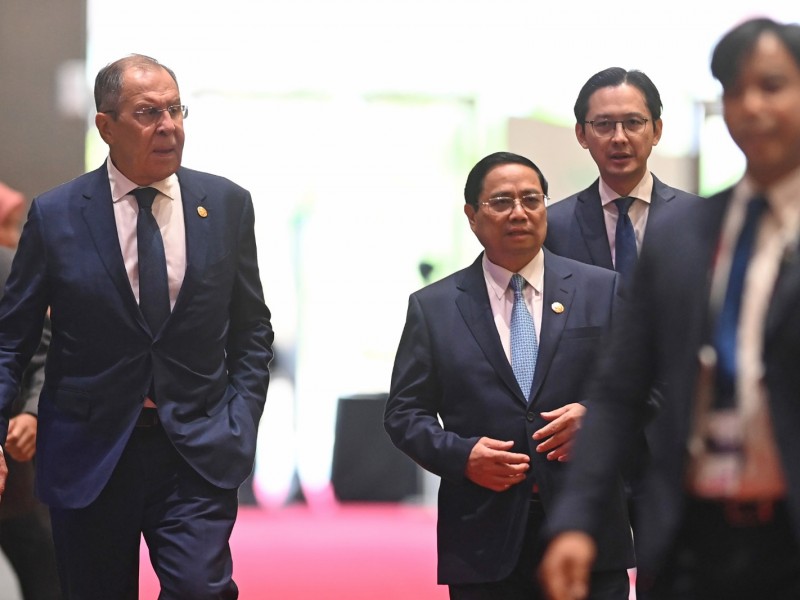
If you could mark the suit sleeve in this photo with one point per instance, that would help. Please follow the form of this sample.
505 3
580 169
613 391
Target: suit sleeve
22 312
250 337
33 377
412 410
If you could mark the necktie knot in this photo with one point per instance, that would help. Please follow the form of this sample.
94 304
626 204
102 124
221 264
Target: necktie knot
518 283
624 204
145 197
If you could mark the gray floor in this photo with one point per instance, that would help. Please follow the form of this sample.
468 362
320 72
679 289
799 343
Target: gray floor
9 588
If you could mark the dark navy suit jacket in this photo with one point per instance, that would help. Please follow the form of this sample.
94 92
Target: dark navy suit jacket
450 364
576 227
658 339
209 362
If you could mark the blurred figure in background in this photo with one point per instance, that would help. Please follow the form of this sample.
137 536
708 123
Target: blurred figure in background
25 534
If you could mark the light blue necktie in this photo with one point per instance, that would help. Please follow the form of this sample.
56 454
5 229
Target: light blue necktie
625 253
524 345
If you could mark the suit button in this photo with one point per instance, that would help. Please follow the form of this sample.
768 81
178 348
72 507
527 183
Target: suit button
530 416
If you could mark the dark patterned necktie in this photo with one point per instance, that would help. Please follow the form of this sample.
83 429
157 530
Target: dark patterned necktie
153 285
625 254
524 345
728 319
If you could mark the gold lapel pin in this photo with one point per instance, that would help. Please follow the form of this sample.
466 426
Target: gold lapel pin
557 307
201 210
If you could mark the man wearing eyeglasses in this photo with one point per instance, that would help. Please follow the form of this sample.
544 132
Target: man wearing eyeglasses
157 371
618 120
487 386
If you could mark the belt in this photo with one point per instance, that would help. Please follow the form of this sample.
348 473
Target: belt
148 418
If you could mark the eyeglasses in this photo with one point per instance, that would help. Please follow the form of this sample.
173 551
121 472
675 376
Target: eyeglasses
501 205
151 114
607 127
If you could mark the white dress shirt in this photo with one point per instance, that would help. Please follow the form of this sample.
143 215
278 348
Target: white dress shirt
638 211
501 296
168 212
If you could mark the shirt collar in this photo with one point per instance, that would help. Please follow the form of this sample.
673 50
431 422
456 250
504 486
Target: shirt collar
121 186
498 277
782 198
642 190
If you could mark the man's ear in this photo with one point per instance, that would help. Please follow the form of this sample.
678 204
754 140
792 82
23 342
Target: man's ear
469 210
580 133
103 122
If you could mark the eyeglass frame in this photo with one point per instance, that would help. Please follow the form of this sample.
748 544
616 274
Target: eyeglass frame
155 113
620 122
515 202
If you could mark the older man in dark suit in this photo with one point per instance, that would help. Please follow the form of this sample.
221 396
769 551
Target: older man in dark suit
157 372
487 389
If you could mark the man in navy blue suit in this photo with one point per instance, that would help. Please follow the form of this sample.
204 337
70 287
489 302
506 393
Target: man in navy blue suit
458 409
146 427
618 120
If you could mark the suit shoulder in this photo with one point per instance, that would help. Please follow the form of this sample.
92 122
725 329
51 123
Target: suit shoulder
76 186
562 208
444 286
580 269
208 180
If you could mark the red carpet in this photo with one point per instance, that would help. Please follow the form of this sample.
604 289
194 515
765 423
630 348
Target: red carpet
338 552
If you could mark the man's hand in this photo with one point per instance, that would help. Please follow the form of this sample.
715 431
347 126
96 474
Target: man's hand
559 433
21 440
492 466
565 567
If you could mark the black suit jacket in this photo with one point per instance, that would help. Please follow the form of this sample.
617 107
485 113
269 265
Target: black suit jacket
450 364
658 339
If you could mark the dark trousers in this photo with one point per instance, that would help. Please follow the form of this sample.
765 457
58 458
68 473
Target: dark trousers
186 523
730 552
522 584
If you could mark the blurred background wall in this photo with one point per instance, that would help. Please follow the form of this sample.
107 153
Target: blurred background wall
42 109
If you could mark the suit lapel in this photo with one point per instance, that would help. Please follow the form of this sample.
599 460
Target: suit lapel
473 304
197 218
97 209
558 288
786 294
589 215
661 196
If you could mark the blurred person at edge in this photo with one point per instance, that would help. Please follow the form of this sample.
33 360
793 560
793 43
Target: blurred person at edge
713 314
25 535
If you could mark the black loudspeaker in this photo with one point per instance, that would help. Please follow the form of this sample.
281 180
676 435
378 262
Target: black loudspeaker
366 465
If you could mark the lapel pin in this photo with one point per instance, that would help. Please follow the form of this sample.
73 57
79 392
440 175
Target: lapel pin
557 307
201 210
